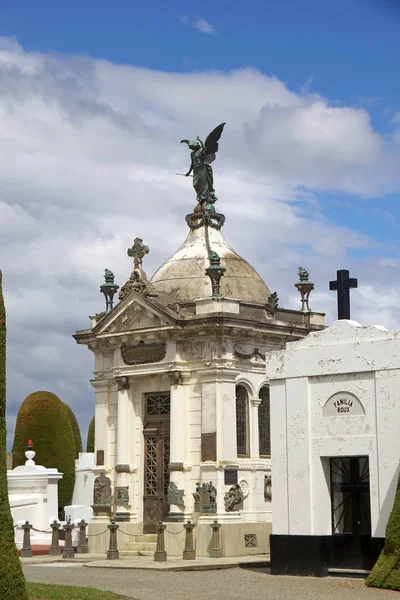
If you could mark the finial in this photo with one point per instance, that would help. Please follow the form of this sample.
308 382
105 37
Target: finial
30 454
305 288
109 289
215 271
272 304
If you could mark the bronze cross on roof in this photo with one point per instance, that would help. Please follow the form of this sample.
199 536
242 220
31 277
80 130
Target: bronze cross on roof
137 252
342 285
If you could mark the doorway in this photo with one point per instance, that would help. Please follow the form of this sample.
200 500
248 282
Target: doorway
351 511
156 460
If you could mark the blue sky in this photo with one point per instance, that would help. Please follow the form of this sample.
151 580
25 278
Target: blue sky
308 172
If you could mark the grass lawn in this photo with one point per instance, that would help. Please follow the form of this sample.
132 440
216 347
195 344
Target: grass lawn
41 591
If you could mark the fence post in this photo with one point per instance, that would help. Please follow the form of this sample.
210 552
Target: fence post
26 551
189 552
82 544
68 551
160 554
112 553
215 548
55 549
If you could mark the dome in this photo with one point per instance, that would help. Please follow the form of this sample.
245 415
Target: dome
184 274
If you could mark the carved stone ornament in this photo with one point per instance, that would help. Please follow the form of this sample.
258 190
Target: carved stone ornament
267 488
141 353
102 490
122 382
175 377
122 495
175 496
244 486
205 498
135 283
233 498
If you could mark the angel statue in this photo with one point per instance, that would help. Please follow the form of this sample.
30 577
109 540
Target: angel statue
202 155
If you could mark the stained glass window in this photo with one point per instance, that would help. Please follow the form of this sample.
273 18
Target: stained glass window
242 420
264 422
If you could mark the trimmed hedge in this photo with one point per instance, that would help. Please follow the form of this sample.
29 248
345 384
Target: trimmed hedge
75 429
43 419
386 572
90 437
12 582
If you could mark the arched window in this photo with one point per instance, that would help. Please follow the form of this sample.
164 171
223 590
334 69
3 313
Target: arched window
264 422
242 421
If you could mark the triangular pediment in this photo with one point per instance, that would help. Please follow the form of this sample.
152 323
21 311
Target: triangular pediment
136 312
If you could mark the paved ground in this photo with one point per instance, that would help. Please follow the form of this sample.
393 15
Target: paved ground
231 584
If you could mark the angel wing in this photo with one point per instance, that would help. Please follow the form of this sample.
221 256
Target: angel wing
211 143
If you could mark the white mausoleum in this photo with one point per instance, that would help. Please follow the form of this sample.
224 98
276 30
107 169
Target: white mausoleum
335 417
181 396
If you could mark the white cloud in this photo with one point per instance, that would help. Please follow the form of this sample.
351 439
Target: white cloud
201 24
88 153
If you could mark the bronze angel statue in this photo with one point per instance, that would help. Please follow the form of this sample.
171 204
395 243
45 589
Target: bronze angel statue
202 155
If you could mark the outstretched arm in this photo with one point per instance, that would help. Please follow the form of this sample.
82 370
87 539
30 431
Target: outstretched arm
190 170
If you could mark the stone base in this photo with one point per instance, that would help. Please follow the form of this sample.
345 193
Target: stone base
232 537
122 517
176 518
55 552
160 556
315 554
112 555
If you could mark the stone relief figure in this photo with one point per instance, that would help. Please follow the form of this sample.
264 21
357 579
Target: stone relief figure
175 496
102 490
233 498
205 497
202 155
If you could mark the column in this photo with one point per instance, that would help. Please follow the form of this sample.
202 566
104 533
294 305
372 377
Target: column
254 428
122 493
178 436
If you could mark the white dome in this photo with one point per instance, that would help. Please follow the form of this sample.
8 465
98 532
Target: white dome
184 274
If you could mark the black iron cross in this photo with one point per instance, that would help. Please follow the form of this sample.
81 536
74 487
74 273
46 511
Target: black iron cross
342 285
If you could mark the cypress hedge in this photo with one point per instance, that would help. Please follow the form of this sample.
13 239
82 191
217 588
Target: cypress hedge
43 419
90 437
75 429
386 572
12 582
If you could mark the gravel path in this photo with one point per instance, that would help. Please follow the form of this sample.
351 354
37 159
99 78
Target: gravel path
229 584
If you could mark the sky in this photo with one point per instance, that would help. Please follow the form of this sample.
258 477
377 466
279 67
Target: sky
94 98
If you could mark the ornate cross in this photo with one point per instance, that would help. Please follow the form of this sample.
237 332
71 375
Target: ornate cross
343 285
137 252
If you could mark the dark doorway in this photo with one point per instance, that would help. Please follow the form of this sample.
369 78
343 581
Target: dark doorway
351 512
156 460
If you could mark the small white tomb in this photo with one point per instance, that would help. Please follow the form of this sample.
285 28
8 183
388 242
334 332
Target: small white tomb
335 417
33 497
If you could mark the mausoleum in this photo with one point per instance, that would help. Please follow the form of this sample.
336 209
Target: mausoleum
182 407
335 417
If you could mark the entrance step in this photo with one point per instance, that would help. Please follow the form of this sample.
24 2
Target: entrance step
146 537
351 573
140 546
135 553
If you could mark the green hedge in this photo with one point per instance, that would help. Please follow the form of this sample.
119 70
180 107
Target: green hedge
386 572
12 582
43 419
90 437
75 429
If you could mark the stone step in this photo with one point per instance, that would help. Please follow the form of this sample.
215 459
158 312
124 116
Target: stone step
146 537
351 573
135 553
140 546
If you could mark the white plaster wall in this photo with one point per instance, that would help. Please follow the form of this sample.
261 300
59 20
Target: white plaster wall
302 379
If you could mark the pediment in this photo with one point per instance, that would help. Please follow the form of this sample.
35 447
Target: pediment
134 313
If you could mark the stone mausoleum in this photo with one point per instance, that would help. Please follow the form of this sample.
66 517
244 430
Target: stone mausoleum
182 406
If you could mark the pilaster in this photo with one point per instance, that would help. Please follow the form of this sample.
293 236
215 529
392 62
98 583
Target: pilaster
178 436
254 429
